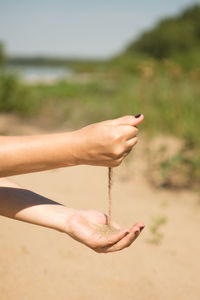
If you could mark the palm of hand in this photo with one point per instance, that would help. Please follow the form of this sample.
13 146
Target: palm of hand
83 227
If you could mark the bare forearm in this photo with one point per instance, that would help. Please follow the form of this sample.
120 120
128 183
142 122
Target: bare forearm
23 154
102 144
24 205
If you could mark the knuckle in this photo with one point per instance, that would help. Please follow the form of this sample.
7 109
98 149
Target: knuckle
136 140
115 135
136 130
117 162
117 153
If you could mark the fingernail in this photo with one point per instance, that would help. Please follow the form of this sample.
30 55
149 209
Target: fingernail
141 228
137 116
125 231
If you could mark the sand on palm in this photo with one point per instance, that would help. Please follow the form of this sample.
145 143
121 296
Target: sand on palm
106 230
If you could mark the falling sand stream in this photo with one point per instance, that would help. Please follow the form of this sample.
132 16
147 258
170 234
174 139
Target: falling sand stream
108 229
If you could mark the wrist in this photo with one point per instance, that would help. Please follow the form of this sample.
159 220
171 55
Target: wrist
78 147
62 218
68 151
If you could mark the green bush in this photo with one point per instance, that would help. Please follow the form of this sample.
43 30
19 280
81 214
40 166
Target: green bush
15 97
2 56
172 37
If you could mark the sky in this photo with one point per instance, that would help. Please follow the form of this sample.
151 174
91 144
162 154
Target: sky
79 28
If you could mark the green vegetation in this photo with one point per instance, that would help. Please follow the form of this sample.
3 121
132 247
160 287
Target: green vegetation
2 57
166 91
14 96
172 38
156 235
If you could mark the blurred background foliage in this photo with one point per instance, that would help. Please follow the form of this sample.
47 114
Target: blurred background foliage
14 95
158 74
173 38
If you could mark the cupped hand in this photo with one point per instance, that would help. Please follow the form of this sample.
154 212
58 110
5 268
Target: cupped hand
106 143
83 226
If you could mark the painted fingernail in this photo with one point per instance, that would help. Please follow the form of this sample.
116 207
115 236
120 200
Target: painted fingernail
141 228
137 116
125 232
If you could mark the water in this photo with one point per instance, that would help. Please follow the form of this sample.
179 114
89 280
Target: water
45 74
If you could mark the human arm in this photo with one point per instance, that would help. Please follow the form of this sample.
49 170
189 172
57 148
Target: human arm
24 205
102 144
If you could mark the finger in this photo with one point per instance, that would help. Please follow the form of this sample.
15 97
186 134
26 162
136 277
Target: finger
129 146
140 225
132 142
127 240
129 120
128 132
127 152
113 239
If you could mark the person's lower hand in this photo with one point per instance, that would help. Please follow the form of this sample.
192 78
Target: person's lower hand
106 143
83 226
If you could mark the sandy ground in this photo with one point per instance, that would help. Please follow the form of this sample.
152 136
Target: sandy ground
38 263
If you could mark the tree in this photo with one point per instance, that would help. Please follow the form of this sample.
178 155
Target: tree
171 36
2 54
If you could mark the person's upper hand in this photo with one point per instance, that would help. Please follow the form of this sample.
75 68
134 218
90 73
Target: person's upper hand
107 143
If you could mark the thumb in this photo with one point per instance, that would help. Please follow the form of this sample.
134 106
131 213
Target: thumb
129 120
